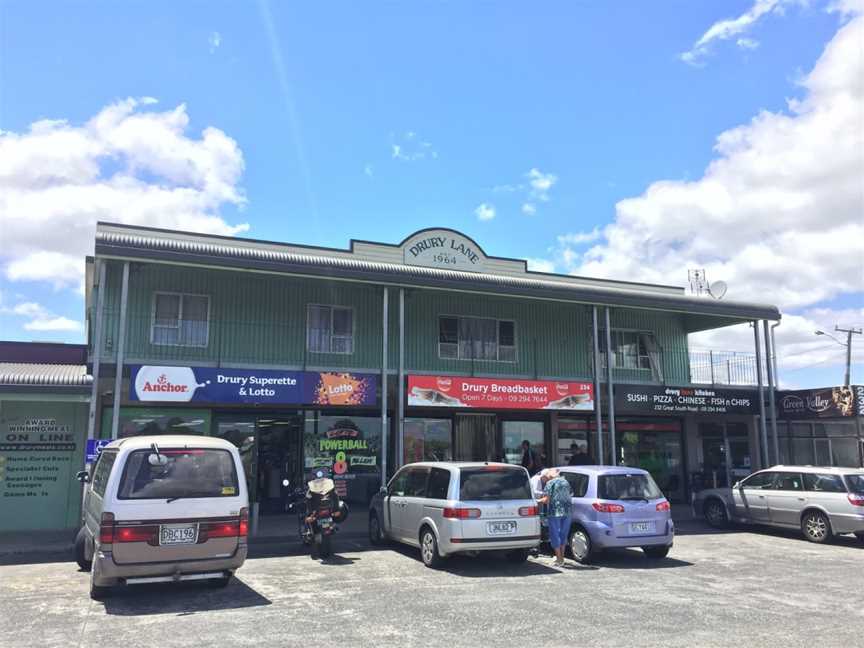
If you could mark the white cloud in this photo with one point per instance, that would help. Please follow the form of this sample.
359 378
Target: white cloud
485 212
41 319
731 27
126 164
529 209
214 41
541 265
540 184
408 147
579 238
777 214
747 43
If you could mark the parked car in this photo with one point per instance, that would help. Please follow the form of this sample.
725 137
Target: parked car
163 508
446 508
822 502
617 507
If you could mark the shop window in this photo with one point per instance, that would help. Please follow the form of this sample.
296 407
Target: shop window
573 446
656 447
427 440
330 329
515 432
137 421
439 484
180 320
476 338
844 452
351 447
632 350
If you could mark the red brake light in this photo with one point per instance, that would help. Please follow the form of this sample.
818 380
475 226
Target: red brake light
663 506
222 529
603 507
106 528
244 522
856 499
528 511
461 513
135 534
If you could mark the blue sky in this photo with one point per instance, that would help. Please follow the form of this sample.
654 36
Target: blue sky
594 97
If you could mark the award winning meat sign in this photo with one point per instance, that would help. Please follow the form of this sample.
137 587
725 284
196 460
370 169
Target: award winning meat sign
490 393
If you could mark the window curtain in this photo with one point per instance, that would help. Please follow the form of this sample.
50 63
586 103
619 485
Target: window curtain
654 355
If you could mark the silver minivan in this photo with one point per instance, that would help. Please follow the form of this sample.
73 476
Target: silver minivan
445 508
821 501
162 509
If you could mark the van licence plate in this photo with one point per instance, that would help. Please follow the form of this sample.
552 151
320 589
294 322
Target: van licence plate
500 528
177 534
641 528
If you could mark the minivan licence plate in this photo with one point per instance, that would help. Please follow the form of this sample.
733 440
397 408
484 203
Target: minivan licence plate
177 534
500 528
641 528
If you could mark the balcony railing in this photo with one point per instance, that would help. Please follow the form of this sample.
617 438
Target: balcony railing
724 368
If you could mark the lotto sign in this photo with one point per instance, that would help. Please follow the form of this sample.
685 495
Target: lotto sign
491 393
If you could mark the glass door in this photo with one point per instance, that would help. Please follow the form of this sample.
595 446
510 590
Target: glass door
475 437
515 433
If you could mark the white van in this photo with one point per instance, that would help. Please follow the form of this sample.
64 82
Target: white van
163 508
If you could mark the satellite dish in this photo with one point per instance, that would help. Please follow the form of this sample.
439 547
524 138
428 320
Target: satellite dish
718 289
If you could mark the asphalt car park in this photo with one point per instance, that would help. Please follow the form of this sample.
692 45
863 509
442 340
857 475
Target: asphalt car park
748 587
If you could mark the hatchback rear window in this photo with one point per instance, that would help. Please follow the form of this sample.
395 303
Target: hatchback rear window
627 487
856 483
493 483
186 473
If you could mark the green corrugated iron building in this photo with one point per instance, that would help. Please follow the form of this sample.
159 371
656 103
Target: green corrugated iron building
428 348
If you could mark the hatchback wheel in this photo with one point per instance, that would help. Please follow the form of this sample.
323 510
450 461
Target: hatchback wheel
656 552
580 546
429 549
376 536
715 513
816 527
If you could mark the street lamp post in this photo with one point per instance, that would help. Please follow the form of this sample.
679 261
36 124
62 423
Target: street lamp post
848 344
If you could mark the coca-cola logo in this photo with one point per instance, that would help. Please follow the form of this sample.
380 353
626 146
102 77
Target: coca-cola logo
444 384
162 384
562 388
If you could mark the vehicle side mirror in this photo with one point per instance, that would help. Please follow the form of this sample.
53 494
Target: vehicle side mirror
83 476
383 490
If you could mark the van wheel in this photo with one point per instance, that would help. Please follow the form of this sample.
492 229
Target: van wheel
816 527
715 513
376 535
518 556
81 550
580 546
656 553
97 592
429 549
219 583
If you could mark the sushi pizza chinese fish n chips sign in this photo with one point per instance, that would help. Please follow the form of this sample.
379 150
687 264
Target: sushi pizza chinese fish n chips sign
150 383
491 393
440 248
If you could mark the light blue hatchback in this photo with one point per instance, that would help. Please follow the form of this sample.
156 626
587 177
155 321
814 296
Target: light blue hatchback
617 507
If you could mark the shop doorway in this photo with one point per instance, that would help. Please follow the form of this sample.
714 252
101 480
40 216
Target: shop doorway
475 438
725 454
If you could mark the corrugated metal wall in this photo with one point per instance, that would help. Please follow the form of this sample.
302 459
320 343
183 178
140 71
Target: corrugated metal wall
260 319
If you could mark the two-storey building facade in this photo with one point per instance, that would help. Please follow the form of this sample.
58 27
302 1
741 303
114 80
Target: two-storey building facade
364 358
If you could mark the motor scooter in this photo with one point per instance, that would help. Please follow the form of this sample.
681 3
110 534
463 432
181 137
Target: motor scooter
319 512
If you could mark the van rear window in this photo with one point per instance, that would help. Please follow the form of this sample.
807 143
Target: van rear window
183 473
493 483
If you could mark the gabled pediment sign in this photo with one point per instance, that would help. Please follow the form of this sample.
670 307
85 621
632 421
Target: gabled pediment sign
443 248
